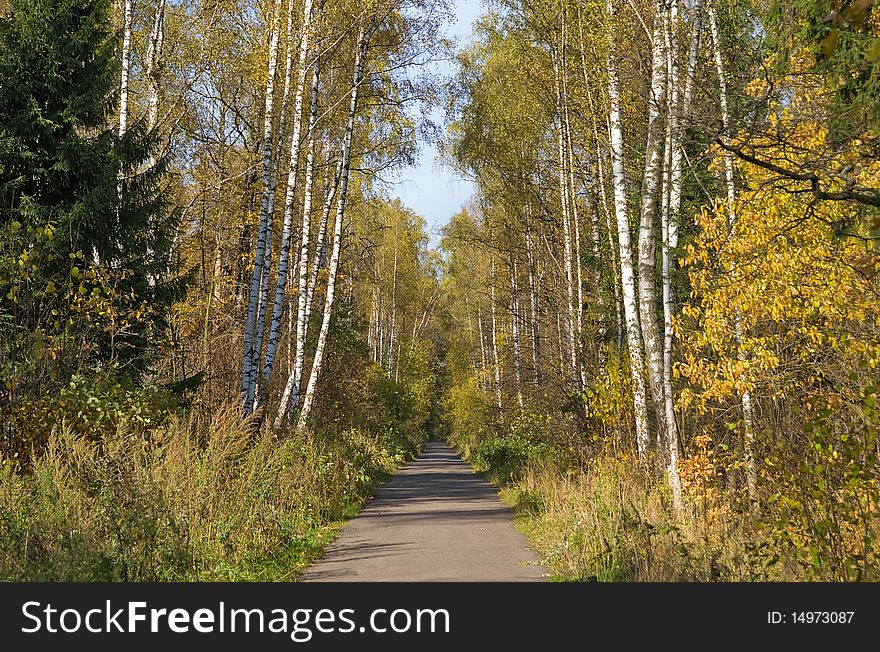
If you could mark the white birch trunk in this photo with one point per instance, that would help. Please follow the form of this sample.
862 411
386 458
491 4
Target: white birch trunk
667 218
560 342
603 197
606 209
357 80
126 66
651 335
154 55
249 357
495 359
575 215
483 357
290 195
292 389
262 305
515 331
533 301
393 339
318 260
627 276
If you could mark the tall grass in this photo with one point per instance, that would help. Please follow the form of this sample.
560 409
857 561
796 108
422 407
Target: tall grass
603 518
219 501
608 522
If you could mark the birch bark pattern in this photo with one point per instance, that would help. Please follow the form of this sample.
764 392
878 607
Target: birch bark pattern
648 225
575 216
667 218
483 358
495 359
154 54
627 275
358 77
126 67
249 356
533 301
606 210
515 330
290 194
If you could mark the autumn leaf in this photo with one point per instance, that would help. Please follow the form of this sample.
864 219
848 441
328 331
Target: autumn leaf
829 43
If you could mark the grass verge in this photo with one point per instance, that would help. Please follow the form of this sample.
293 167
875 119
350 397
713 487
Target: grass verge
213 502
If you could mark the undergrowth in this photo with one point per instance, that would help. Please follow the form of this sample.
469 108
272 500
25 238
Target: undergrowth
600 517
221 501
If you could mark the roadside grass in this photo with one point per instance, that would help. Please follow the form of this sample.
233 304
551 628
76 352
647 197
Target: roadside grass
603 520
193 502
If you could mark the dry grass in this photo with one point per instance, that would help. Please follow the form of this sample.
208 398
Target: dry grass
610 522
195 502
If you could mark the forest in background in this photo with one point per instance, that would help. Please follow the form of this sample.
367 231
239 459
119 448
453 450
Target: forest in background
667 283
654 325
218 332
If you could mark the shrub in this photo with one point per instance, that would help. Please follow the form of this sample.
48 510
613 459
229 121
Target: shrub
506 458
96 407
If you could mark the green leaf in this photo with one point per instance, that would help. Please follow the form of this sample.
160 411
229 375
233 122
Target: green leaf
829 43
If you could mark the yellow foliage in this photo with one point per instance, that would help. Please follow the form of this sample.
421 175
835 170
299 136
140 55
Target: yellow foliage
800 292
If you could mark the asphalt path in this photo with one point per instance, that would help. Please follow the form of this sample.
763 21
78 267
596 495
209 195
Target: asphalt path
434 520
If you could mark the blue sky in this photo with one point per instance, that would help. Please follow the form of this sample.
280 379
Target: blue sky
429 188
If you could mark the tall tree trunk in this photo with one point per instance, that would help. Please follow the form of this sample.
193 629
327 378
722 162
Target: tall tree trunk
666 221
290 195
262 305
153 75
515 330
560 342
374 325
381 344
648 226
357 80
483 358
575 214
606 210
730 182
261 397
251 353
495 359
603 196
571 312
126 67
627 275
533 301
393 334
319 258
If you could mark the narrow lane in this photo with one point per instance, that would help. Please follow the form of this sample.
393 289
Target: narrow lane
435 520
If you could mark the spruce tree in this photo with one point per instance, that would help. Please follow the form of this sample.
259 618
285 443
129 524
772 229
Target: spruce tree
73 193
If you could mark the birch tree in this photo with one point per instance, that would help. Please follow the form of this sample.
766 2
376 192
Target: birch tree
363 40
627 275
126 67
290 194
250 358
651 182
